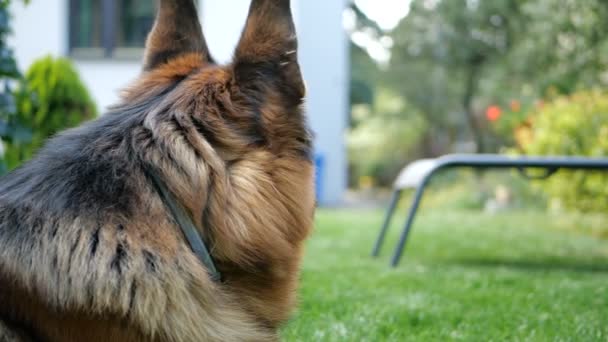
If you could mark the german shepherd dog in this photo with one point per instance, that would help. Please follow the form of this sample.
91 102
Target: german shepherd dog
91 251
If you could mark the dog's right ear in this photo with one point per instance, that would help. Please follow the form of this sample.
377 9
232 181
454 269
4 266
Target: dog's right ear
176 31
268 49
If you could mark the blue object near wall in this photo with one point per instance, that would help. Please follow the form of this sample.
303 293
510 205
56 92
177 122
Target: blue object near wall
319 171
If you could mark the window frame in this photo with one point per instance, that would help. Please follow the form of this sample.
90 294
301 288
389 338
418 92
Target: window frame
108 48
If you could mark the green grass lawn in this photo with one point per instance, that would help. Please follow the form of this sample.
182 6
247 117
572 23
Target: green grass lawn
464 276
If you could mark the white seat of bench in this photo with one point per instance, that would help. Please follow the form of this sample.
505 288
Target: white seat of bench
414 173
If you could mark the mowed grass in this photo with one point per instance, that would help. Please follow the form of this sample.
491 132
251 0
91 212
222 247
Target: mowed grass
464 276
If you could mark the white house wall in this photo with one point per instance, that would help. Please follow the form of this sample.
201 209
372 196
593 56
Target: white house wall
42 28
324 60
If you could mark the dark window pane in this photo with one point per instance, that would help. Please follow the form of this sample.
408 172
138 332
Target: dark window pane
134 20
85 24
110 28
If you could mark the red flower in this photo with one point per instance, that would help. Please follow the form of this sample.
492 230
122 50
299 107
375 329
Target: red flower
493 113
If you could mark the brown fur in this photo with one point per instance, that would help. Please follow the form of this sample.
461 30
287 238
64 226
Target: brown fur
229 141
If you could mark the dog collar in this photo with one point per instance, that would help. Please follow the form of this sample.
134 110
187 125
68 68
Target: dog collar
188 228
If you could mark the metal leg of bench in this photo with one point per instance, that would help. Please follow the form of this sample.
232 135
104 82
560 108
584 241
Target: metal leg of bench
387 221
408 224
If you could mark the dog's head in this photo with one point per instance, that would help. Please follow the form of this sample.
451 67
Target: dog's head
262 86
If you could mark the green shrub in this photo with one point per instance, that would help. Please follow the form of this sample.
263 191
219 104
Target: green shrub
382 141
575 125
52 99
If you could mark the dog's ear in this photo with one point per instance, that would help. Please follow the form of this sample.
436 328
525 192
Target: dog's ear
176 31
268 49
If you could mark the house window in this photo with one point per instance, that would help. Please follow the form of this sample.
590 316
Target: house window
110 28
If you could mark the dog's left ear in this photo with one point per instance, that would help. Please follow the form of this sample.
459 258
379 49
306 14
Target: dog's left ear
267 52
176 31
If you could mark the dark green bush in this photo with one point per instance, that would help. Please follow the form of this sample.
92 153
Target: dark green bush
575 125
52 99
10 129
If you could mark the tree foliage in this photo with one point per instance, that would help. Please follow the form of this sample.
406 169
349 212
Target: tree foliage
452 43
451 59
11 130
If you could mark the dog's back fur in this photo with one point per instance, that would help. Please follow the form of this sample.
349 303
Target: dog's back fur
89 251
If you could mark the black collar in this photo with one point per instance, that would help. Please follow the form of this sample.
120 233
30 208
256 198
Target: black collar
184 221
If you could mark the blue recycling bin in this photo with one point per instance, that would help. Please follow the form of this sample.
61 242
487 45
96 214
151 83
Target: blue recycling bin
319 172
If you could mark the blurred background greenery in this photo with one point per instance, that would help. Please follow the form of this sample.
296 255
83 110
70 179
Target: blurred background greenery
518 76
50 99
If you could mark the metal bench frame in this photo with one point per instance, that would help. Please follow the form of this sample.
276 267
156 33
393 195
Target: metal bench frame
476 161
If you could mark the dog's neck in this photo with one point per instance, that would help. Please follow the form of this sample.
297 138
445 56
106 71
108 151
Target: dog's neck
185 223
